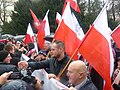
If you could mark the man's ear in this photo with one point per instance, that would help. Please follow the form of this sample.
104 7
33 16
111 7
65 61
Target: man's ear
81 75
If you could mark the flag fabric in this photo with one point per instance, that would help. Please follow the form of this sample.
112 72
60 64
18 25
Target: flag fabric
73 4
36 21
66 32
116 35
29 35
24 57
79 31
58 18
44 30
96 48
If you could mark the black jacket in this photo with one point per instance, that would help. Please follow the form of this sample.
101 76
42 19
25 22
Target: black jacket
4 67
88 86
54 66
16 85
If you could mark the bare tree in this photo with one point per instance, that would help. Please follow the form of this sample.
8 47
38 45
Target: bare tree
4 10
114 12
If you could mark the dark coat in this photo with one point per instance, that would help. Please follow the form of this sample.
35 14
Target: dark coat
96 79
15 58
54 66
16 85
7 68
88 86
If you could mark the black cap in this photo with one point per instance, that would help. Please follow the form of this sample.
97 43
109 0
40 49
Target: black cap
3 55
2 45
43 52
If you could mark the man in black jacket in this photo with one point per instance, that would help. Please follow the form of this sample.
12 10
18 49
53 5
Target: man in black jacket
5 62
56 63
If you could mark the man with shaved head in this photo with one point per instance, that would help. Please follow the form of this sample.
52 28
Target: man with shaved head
77 75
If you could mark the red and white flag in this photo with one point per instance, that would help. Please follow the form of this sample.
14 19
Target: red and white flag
58 18
29 35
116 35
66 32
73 5
44 31
96 48
36 21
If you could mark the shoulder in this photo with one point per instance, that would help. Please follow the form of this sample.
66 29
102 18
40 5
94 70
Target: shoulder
89 85
6 67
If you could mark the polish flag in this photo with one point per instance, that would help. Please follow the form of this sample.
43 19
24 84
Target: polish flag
96 48
66 32
29 35
73 4
116 35
36 21
44 31
58 18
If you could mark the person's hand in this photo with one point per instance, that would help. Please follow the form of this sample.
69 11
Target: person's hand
4 77
33 55
51 76
23 65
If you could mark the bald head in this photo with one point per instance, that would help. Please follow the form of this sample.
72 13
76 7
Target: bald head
78 66
77 72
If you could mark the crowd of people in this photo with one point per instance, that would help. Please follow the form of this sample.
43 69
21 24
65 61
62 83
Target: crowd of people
78 75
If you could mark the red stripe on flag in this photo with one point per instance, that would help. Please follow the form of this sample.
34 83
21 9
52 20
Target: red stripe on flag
116 36
65 34
41 35
28 39
95 48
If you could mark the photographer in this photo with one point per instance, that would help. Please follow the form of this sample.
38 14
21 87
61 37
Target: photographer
27 83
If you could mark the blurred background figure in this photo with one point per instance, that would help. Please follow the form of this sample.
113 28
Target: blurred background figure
47 46
41 56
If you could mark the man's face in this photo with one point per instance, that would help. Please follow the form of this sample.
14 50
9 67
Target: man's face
7 59
73 75
55 51
46 46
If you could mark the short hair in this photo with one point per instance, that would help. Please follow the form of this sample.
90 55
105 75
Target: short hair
9 47
59 44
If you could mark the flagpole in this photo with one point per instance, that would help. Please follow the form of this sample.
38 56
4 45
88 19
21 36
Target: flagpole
115 29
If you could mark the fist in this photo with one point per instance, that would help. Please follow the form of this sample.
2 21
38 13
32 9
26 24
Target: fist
23 65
